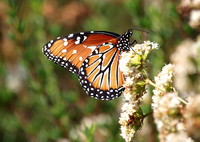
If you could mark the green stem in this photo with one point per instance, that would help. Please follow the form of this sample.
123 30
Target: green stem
180 99
145 115
163 90
154 85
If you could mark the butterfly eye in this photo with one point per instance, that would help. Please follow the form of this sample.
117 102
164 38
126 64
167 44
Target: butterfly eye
94 57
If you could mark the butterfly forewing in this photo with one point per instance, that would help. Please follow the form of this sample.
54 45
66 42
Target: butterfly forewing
99 74
70 51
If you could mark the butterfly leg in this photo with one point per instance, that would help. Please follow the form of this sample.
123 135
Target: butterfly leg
134 42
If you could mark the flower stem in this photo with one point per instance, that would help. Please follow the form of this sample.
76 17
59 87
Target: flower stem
163 90
180 99
145 115
154 85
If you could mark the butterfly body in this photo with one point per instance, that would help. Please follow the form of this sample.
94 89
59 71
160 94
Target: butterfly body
94 57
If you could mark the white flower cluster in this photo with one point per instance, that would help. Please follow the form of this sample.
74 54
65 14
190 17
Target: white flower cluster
191 117
163 82
191 3
135 56
132 64
194 18
178 137
125 64
146 46
187 66
192 11
167 108
167 116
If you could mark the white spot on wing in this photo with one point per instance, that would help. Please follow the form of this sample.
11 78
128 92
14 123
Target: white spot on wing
74 52
86 60
80 58
64 50
85 37
77 42
64 39
49 45
96 51
111 45
92 47
65 43
70 35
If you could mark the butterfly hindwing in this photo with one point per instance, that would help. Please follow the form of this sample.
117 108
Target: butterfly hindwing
100 75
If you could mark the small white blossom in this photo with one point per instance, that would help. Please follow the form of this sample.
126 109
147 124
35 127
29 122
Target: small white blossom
164 78
164 81
194 18
129 80
127 133
128 108
178 137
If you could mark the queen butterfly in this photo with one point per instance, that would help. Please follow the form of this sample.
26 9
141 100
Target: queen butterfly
94 57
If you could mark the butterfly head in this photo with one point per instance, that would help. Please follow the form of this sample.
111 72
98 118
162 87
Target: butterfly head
123 42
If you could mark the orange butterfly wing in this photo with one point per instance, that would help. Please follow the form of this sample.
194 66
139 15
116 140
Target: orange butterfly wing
100 75
94 57
70 51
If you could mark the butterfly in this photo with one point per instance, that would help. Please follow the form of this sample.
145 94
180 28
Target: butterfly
94 57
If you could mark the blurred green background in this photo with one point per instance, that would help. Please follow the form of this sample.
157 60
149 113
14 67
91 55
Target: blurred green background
41 101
